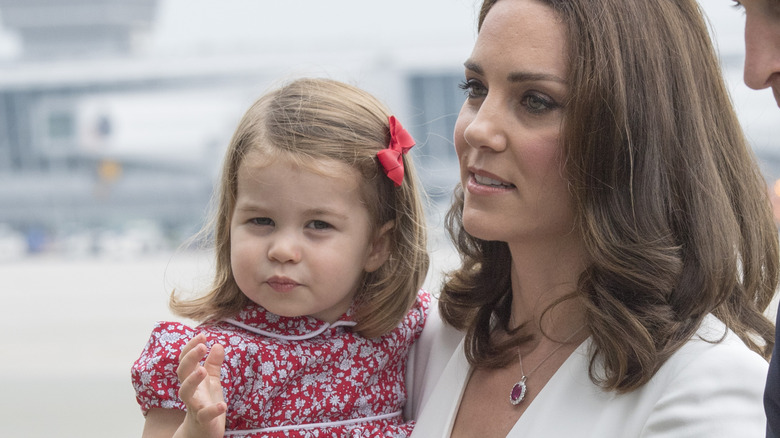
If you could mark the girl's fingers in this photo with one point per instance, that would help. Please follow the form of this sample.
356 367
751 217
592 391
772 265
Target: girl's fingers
190 362
198 339
189 385
209 413
214 360
190 356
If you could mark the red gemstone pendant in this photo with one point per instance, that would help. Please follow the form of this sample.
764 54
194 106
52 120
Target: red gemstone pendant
518 392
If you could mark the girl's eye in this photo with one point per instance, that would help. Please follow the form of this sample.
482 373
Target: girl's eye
319 225
736 4
262 221
473 88
538 104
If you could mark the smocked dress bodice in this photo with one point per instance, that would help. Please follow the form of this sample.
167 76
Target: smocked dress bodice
292 376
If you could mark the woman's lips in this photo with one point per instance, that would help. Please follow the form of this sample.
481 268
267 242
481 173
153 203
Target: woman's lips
481 182
488 181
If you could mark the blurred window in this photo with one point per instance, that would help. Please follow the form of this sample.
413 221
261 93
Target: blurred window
436 101
61 125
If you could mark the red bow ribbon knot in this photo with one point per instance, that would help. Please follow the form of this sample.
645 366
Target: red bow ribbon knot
391 158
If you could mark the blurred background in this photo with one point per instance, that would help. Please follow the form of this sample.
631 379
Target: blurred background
114 116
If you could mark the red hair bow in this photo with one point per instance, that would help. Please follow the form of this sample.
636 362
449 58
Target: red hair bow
391 158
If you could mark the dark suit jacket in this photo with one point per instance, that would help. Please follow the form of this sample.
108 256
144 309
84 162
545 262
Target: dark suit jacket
772 391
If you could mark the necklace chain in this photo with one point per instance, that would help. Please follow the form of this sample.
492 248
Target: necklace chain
519 389
520 356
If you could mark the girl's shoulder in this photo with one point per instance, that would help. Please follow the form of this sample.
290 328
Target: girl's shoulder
153 374
168 337
162 349
422 305
417 317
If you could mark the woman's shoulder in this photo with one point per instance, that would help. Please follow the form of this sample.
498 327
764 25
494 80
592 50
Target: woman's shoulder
712 386
715 359
716 348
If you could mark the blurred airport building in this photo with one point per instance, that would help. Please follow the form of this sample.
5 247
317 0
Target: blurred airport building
105 148
99 143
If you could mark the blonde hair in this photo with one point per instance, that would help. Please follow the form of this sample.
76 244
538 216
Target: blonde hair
314 119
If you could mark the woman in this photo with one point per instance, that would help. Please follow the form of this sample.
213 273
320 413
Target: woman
617 243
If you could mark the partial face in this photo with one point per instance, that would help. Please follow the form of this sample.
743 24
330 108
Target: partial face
507 133
762 44
300 241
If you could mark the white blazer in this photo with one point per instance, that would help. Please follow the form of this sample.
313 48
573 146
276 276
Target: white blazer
706 389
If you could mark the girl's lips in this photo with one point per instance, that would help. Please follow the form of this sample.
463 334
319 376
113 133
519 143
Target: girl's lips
282 284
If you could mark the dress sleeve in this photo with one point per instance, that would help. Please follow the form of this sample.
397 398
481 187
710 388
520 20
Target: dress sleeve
154 373
717 394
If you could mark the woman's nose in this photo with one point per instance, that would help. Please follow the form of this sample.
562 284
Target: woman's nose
485 126
284 248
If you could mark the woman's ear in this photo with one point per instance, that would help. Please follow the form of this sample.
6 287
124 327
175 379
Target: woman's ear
380 248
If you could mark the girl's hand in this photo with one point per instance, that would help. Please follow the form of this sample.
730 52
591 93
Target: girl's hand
201 390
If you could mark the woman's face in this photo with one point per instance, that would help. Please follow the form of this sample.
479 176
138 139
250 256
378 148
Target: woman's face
507 136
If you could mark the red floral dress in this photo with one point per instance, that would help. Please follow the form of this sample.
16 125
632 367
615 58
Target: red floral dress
292 377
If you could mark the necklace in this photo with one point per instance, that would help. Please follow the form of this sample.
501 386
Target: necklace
519 389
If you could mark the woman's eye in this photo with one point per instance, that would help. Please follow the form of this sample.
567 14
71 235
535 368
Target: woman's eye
262 221
537 104
473 88
736 4
319 225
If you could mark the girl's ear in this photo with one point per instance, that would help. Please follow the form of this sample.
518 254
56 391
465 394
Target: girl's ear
380 248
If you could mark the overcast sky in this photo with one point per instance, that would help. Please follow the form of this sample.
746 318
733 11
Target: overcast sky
219 25
225 23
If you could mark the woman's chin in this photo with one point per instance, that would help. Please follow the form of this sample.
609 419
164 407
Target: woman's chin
477 225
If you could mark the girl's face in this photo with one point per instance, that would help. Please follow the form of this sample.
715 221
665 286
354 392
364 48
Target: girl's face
507 132
300 240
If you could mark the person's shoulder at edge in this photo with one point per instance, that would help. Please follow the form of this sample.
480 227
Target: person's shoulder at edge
711 387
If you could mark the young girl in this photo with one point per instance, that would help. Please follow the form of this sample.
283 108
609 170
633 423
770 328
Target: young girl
320 254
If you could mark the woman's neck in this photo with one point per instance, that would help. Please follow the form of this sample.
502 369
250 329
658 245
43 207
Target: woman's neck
542 274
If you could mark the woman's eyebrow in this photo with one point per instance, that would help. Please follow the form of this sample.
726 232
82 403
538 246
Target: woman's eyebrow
531 76
521 76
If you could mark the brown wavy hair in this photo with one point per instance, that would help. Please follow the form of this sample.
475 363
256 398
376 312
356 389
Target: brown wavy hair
312 119
669 199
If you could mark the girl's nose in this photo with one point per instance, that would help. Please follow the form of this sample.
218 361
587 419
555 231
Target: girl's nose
485 128
284 248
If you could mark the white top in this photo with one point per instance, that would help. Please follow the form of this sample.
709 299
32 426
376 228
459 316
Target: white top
704 390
